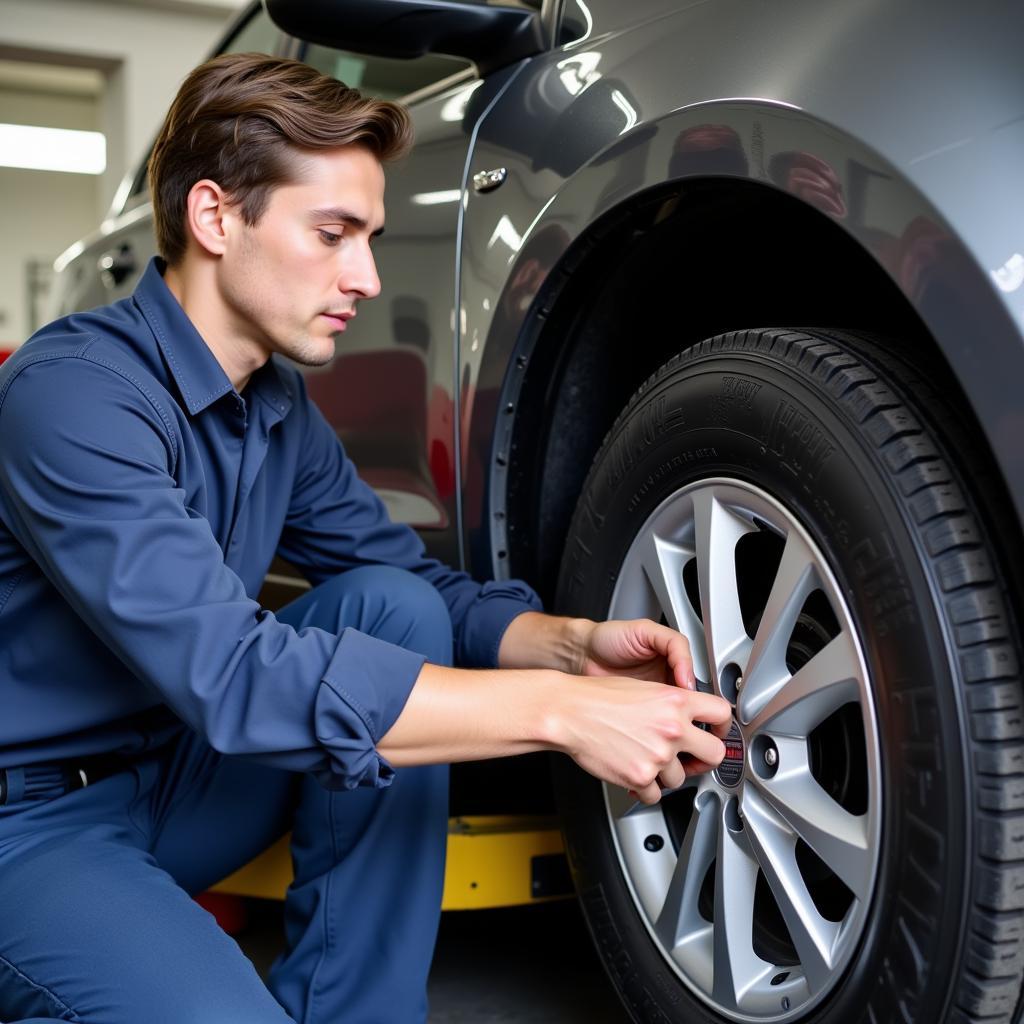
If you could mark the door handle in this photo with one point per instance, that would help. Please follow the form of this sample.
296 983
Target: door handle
116 265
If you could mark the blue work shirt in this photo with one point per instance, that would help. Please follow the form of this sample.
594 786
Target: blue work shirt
142 500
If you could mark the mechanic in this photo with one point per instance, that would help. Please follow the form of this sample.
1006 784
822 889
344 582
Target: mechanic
158 728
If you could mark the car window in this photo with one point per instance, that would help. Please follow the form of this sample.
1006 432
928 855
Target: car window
382 77
258 34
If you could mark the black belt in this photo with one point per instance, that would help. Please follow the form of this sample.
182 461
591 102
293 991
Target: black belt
46 781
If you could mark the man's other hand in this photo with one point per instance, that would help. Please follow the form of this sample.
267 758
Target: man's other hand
638 648
638 734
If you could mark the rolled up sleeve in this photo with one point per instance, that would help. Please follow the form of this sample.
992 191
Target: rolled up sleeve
354 710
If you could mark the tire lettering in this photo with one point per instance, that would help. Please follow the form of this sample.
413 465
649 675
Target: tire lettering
620 459
796 439
738 393
669 468
653 420
923 765
884 584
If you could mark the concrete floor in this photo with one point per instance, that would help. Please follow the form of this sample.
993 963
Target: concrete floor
522 965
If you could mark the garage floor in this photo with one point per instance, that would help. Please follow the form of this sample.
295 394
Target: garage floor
529 965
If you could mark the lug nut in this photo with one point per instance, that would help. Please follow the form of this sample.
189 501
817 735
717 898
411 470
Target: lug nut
771 757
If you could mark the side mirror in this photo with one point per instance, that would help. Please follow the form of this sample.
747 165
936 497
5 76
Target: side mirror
490 36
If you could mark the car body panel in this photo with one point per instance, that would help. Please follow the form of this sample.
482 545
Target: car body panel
589 126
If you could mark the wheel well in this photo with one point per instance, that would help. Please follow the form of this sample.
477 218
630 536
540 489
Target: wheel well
671 268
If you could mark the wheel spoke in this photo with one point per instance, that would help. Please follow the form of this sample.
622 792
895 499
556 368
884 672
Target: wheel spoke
775 848
717 532
766 672
737 968
679 921
663 563
827 682
839 838
623 805
690 782
651 865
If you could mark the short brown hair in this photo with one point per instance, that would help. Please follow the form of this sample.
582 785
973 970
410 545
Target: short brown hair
241 119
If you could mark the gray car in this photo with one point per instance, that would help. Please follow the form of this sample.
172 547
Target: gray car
712 312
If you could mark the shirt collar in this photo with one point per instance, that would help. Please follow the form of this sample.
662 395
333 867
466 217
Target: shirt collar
269 384
200 378
194 367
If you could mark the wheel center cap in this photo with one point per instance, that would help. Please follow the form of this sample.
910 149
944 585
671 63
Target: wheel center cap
730 771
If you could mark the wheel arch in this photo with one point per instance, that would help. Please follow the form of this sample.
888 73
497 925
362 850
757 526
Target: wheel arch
734 238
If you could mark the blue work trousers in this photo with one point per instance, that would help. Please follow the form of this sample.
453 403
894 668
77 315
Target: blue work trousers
96 921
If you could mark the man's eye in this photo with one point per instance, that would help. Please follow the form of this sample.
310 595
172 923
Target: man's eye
329 237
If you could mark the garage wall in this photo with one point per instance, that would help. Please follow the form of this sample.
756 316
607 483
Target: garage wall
145 50
41 211
51 210
142 50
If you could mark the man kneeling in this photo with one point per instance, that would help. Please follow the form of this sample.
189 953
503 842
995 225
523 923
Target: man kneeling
155 456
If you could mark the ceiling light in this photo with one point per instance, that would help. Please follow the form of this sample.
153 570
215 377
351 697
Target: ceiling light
52 149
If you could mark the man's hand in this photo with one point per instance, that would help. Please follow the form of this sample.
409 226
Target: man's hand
631 732
625 653
639 648
636 647
642 649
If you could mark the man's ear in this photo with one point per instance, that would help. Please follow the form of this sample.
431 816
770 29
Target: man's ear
206 211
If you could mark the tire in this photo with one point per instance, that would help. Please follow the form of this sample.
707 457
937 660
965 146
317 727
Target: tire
860 854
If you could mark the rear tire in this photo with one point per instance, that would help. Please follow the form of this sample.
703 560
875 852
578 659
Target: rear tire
867 463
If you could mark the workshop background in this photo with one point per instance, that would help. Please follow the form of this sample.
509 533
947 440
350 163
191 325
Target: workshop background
107 70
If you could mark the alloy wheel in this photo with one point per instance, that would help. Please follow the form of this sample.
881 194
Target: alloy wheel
755 880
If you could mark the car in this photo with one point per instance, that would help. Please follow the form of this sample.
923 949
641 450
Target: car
712 313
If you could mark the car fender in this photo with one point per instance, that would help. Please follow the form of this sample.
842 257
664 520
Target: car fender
583 154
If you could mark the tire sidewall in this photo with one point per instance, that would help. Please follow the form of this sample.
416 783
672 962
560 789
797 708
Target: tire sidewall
761 419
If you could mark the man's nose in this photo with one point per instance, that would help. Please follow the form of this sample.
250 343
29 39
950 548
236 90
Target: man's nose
360 275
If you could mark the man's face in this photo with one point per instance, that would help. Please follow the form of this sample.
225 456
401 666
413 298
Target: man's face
291 281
